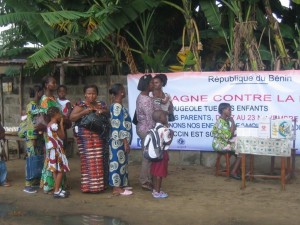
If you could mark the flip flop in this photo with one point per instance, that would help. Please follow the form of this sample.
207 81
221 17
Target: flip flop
126 192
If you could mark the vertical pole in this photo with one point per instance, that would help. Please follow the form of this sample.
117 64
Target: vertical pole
2 105
243 170
61 75
21 88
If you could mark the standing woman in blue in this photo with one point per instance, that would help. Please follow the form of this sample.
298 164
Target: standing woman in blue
119 143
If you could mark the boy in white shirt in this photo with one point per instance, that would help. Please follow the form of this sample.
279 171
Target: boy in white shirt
160 169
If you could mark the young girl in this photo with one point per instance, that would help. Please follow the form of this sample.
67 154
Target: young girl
66 109
57 161
160 169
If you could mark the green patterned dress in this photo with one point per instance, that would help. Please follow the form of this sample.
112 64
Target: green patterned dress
221 135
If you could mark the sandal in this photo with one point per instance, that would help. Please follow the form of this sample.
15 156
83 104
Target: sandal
59 195
126 193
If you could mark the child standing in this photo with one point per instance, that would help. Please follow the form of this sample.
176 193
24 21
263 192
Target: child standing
160 169
66 106
34 140
66 109
56 158
3 158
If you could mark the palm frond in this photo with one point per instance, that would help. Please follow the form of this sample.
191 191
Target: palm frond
27 13
51 50
57 17
18 17
126 13
212 13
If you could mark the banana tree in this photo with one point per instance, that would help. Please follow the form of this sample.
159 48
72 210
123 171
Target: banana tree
280 46
69 27
190 29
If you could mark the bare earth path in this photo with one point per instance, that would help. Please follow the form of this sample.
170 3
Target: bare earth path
196 196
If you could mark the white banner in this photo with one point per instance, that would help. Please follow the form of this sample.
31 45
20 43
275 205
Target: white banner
196 96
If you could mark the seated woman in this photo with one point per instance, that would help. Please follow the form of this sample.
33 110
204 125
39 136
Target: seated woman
224 135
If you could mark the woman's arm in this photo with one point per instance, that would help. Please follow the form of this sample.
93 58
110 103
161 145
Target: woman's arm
232 126
61 130
78 112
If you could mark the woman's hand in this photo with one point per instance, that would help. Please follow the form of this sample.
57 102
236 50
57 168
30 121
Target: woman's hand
126 146
127 149
231 120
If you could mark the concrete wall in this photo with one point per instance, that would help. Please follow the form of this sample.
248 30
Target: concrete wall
75 92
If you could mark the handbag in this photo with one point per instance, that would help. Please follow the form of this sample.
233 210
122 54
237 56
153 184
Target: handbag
98 123
135 120
34 166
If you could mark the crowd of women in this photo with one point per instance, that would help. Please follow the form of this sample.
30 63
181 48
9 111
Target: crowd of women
103 134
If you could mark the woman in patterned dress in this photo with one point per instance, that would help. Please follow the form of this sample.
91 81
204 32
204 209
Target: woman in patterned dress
223 135
92 146
144 111
119 143
34 141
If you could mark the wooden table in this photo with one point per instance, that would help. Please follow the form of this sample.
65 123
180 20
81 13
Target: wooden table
266 147
13 136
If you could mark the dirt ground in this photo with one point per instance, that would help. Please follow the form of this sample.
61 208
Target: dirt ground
196 197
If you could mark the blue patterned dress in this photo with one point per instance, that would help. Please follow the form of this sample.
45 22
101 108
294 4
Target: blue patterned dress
118 160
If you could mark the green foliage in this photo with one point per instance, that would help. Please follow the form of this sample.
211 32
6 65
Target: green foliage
52 50
157 63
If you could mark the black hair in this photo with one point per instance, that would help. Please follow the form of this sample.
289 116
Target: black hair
33 90
52 111
162 77
62 86
223 106
115 88
46 80
90 86
144 82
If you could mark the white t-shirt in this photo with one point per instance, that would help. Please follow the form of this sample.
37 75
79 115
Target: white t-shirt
63 104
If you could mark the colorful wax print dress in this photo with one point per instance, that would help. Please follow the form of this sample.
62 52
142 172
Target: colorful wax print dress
47 181
121 128
34 141
93 151
56 158
222 135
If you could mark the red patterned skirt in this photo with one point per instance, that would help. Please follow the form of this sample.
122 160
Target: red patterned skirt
94 165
